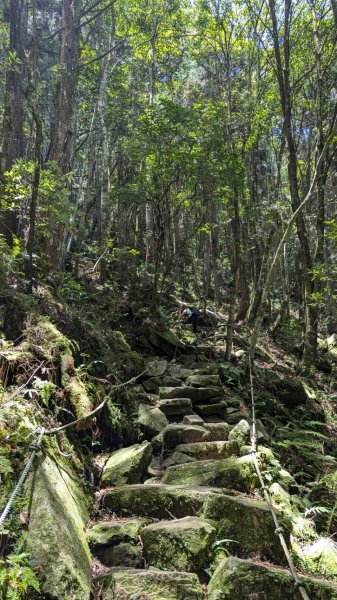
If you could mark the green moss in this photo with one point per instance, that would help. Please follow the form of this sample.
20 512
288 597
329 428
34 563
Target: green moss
43 339
115 532
234 473
236 579
127 465
183 544
157 585
58 514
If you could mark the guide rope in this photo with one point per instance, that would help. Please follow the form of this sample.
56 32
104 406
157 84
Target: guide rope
40 432
278 528
35 446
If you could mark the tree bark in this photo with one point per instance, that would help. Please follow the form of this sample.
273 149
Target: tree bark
13 137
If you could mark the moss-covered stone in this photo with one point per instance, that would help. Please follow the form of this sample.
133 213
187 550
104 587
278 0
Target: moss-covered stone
249 523
43 339
127 465
236 473
156 367
217 432
240 433
173 435
195 394
58 515
112 533
319 558
125 555
237 579
135 584
209 450
176 406
158 501
218 409
204 381
177 458
182 544
151 421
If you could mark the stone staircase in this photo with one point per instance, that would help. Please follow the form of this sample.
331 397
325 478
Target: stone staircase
170 503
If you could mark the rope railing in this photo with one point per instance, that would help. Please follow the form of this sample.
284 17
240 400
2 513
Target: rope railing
40 432
299 585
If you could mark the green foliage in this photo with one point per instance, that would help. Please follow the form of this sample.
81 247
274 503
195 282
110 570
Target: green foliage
45 389
17 579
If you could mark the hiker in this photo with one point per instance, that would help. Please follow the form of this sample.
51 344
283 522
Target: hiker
192 315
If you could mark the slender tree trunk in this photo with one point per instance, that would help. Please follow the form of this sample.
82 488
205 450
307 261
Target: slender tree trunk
63 130
34 196
13 118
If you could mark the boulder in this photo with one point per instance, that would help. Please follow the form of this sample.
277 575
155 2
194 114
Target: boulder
56 530
173 435
209 450
175 370
134 584
240 433
182 544
236 473
235 417
176 406
195 394
164 341
238 579
127 465
151 421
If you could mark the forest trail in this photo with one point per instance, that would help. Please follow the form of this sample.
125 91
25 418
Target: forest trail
186 497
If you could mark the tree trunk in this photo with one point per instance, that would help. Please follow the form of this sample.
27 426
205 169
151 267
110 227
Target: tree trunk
63 130
13 137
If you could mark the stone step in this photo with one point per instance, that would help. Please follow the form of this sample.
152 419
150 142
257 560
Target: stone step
127 465
205 410
182 544
193 420
238 579
175 434
246 521
204 381
116 543
132 584
236 473
176 406
197 395
209 450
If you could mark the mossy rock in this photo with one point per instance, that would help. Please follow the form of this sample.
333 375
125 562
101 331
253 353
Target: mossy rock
235 473
112 533
164 341
176 406
319 558
58 515
127 465
249 523
150 421
44 339
240 432
182 544
197 395
209 450
217 432
157 501
173 435
204 381
237 579
124 555
132 584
